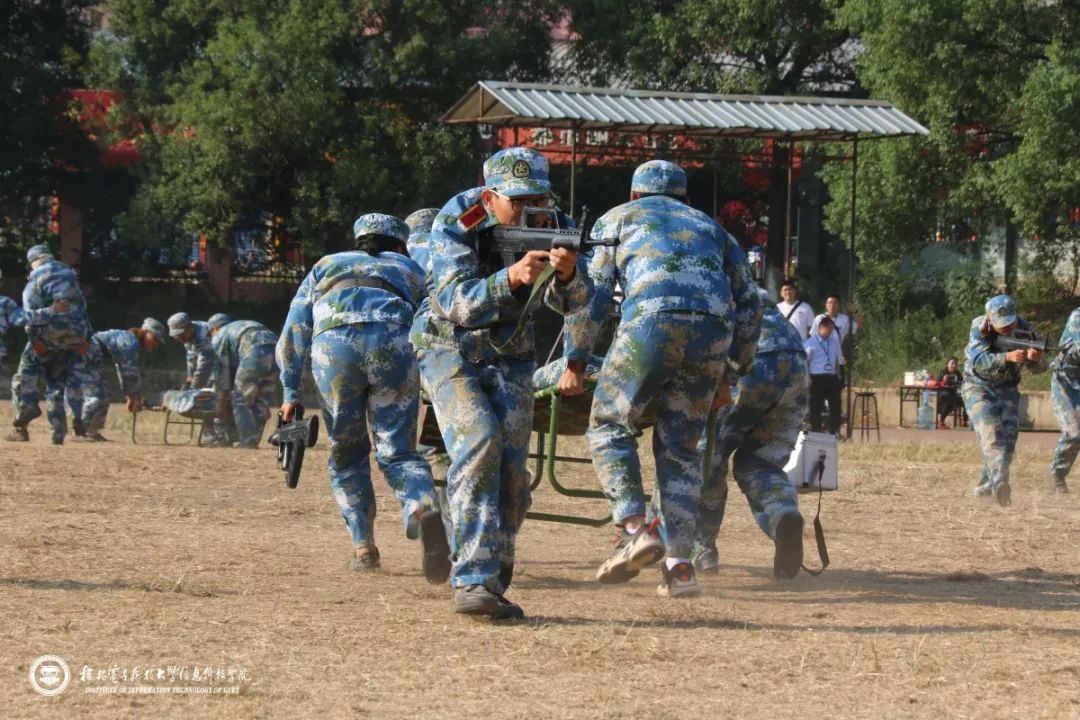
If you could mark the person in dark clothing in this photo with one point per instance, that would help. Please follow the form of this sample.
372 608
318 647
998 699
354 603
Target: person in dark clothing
949 392
823 353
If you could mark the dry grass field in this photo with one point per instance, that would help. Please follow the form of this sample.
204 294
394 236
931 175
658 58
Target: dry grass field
122 556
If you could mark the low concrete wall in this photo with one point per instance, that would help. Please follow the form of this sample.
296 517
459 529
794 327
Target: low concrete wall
1036 409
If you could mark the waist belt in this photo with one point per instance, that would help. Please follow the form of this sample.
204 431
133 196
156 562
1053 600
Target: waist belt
376 283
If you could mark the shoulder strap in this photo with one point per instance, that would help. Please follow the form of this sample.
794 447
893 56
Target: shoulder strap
792 310
819 532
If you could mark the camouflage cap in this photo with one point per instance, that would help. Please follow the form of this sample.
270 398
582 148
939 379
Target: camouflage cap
517 171
218 320
178 323
1001 309
155 327
421 220
379 224
37 252
659 177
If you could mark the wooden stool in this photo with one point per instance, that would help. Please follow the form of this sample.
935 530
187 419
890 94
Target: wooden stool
866 414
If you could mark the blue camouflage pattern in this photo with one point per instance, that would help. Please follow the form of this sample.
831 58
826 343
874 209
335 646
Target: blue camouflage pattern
517 171
380 224
482 399
247 371
471 305
992 399
61 371
670 257
367 377
11 315
420 221
1065 392
678 360
659 177
757 433
201 360
48 282
328 298
120 347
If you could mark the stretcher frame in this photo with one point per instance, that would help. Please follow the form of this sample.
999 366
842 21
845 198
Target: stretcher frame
181 420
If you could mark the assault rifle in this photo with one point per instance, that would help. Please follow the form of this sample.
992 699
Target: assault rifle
291 439
1022 340
513 240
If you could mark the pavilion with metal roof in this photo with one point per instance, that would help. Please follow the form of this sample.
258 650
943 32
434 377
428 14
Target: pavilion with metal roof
692 115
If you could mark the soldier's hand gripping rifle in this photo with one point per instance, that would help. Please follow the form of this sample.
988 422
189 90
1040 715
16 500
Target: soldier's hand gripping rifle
514 240
291 439
1022 340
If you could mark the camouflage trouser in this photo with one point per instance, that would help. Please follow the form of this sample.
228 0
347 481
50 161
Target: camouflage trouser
366 375
761 429
253 390
678 359
549 374
93 406
57 367
1065 390
485 411
994 412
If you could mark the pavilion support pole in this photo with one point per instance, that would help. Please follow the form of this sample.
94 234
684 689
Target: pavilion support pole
715 191
850 365
787 212
573 170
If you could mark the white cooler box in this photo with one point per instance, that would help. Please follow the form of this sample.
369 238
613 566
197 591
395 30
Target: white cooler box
811 451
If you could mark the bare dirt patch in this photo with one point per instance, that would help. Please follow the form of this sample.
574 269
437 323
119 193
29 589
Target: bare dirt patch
152 556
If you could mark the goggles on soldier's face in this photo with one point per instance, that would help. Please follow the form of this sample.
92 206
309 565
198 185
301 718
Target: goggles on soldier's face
520 203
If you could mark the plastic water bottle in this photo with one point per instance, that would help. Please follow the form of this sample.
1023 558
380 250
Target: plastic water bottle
924 418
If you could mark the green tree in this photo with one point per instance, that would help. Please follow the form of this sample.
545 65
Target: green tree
313 112
42 48
774 47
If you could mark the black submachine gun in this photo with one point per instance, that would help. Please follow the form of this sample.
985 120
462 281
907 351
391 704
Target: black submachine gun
291 439
514 240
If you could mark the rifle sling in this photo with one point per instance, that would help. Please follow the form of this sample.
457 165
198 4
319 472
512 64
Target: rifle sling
519 330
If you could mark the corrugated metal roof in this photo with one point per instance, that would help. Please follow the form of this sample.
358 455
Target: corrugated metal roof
691 114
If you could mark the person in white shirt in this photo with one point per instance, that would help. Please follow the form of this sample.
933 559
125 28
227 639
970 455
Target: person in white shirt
846 325
794 310
823 352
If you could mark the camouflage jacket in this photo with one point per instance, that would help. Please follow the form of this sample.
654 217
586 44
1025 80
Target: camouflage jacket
1068 359
123 347
777 334
326 300
471 305
199 352
984 364
669 257
49 282
235 341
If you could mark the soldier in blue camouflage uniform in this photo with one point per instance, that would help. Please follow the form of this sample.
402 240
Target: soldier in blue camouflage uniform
197 340
217 321
11 315
430 445
689 298
201 366
1065 390
58 329
246 377
761 429
122 348
991 394
476 368
351 315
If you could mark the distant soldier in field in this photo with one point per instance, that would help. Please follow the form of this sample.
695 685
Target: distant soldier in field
11 315
1065 390
122 348
689 299
247 377
58 329
351 316
759 432
991 393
